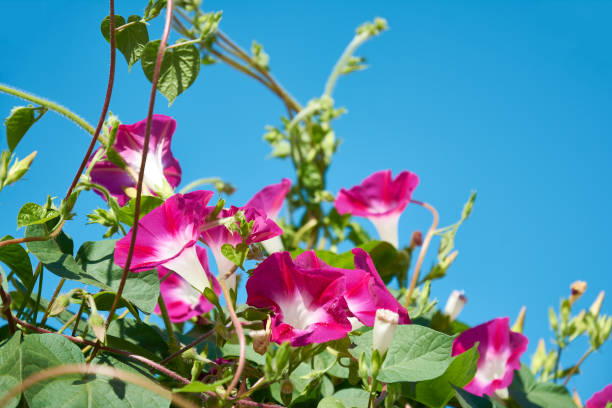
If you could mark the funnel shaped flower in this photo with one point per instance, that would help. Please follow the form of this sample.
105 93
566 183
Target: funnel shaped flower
182 300
500 353
263 228
381 199
307 304
167 236
162 171
365 290
601 398
270 200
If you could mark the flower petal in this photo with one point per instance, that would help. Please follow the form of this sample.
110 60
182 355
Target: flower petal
270 198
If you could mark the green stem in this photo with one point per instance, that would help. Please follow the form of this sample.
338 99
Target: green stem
57 290
167 323
573 371
38 296
195 41
343 60
199 182
49 105
28 294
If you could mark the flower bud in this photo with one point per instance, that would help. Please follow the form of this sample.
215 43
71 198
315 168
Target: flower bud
416 240
596 306
97 324
286 391
385 325
61 303
363 367
577 399
19 168
282 356
455 303
520 321
261 340
375 363
578 288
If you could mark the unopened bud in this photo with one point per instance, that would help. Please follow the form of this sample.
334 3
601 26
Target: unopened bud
578 288
577 399
282 356
97 324
61 303
19 168
261 340
363 367
286 391
375 363
596 306
416 240
385 325
520 321
454 305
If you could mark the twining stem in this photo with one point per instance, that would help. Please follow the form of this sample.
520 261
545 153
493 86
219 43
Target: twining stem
143 161
343 60
423 251
239 333
78 318
69 322
34 316
52 235
105 370
6 308
187 347
52 301
199 182
575 368
30 289
49 105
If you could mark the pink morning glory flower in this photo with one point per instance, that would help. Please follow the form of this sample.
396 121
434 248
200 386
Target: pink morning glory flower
167 236
365 290
263 229
381 199
601 398
307 303
162 171
500 353
182 300
270 199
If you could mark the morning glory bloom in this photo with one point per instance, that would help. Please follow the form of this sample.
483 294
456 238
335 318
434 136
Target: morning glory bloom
385 326
601 398
500 353
162 171
182 300
270 199
365 291
381 199
263 229
307 303
167 236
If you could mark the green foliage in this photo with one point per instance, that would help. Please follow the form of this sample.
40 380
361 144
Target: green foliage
33 214
416 353
18 260
131 39
436 393
10 366
179 68
529 393
138 337
19 122
347 398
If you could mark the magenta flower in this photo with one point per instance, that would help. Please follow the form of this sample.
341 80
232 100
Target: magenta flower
380 199
601 398
181 299
263 229
162 171
365 290
270 200
500 353
167 236
307 303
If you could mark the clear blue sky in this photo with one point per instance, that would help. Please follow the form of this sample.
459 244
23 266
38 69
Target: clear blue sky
509 98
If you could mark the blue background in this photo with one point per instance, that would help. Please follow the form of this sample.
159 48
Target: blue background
509 98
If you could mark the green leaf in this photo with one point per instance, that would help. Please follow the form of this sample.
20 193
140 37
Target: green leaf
531 394
131 40
323 360
468 400
230 349
437 392
55 254
19 121
129 334
300 380
16 258
179 69
32 214
10 366
96 259
42 351
330 402
352 397
417 353
147 204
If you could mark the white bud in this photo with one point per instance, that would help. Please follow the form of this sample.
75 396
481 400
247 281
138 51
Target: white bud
385 325
455 304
